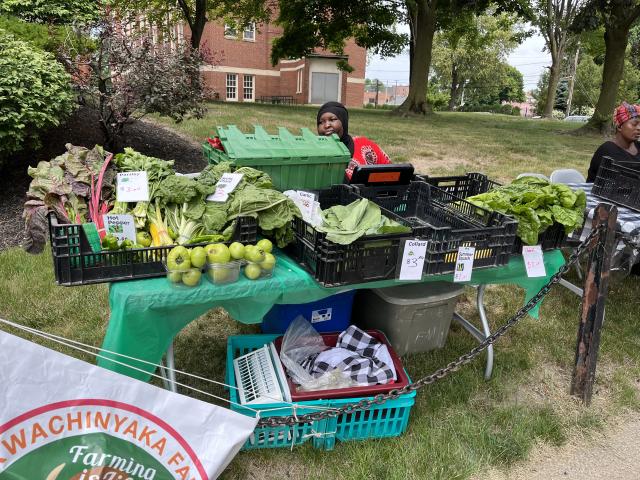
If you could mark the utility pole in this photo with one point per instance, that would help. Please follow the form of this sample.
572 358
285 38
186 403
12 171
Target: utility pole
572 80
377 86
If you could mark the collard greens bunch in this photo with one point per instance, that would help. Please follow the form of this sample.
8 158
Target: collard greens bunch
536 204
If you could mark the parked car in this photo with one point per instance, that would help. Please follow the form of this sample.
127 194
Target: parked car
577 118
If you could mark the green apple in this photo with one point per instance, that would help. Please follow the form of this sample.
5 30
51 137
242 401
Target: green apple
191 277
265 245
269 262
254 255
178 259
198 257
175 277
252 271
237 250
143 238
218 253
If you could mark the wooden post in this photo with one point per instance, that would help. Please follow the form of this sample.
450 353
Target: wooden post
593 302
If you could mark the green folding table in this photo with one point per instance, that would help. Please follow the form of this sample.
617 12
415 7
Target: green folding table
147 314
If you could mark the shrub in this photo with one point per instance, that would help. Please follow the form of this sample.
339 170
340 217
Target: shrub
34 94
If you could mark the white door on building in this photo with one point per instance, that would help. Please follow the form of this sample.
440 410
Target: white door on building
324 87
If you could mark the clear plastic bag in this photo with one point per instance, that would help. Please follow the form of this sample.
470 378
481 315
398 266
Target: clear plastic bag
300 342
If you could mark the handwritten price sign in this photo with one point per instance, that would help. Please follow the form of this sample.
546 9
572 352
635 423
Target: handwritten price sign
413 260
132 187
533 261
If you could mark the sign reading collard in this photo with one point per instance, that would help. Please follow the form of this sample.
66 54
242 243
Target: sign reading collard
64 419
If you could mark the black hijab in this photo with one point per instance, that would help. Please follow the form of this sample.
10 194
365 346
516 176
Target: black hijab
341 112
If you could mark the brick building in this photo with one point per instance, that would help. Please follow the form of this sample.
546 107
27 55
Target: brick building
245 73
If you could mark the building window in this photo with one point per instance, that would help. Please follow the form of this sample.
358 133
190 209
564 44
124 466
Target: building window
232 87
299 82
249 32
247 88
230 31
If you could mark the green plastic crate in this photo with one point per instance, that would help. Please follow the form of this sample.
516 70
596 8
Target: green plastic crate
304 162
387 420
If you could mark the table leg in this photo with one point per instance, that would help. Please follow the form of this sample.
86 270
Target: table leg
573 288
477 334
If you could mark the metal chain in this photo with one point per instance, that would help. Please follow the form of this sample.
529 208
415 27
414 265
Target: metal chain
453 366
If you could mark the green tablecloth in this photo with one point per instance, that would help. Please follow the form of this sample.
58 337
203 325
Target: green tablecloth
147 314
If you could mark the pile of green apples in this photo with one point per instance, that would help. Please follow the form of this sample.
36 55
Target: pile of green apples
260 260
184 266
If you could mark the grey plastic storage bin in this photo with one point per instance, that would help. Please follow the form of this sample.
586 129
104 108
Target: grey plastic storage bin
415 318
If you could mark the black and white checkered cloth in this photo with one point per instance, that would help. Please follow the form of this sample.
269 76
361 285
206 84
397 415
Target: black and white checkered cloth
357 354
628 220
627 228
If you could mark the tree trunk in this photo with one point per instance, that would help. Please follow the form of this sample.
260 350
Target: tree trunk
454 91
200 20
615 40
425 21
554 79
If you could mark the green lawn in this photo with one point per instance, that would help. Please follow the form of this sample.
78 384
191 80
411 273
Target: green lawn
460 425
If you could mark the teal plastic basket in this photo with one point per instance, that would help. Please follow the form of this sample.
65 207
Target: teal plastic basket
387 420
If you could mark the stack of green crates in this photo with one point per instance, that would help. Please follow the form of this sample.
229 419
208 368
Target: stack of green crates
389 419
297 162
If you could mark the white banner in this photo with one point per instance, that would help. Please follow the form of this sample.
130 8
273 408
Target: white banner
64 419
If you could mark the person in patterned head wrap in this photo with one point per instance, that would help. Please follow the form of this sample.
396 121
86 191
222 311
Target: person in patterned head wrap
333 117
624 146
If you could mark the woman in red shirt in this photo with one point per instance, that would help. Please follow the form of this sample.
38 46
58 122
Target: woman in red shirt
332 118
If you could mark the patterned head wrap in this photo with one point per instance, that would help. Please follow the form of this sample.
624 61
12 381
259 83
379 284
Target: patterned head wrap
625 112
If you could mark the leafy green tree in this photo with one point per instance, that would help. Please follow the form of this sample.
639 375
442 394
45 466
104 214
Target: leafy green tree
587 84
617 17
425 18
554 19
53 12
473 52
513 86
34 94
329 24
371 85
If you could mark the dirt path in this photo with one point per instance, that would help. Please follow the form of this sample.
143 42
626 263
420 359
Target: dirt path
613 454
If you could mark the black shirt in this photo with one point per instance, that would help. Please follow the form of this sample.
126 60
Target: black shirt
610 149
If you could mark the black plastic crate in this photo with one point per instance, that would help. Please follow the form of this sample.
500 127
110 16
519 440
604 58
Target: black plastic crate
74 263
448 223
461 186
464 186
370 258
619 182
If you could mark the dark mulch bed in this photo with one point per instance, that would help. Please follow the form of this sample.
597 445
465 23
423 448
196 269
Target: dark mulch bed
83 129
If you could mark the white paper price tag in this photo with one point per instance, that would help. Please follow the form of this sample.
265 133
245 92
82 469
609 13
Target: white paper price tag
533 261
413 260
307 200
464 264
120 226
132 187
227 184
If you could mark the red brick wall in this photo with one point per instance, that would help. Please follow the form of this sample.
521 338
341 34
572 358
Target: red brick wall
236 55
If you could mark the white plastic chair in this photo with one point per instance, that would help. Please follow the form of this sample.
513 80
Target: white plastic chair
567 175
530 174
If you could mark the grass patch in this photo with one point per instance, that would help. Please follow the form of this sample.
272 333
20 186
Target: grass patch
459 426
